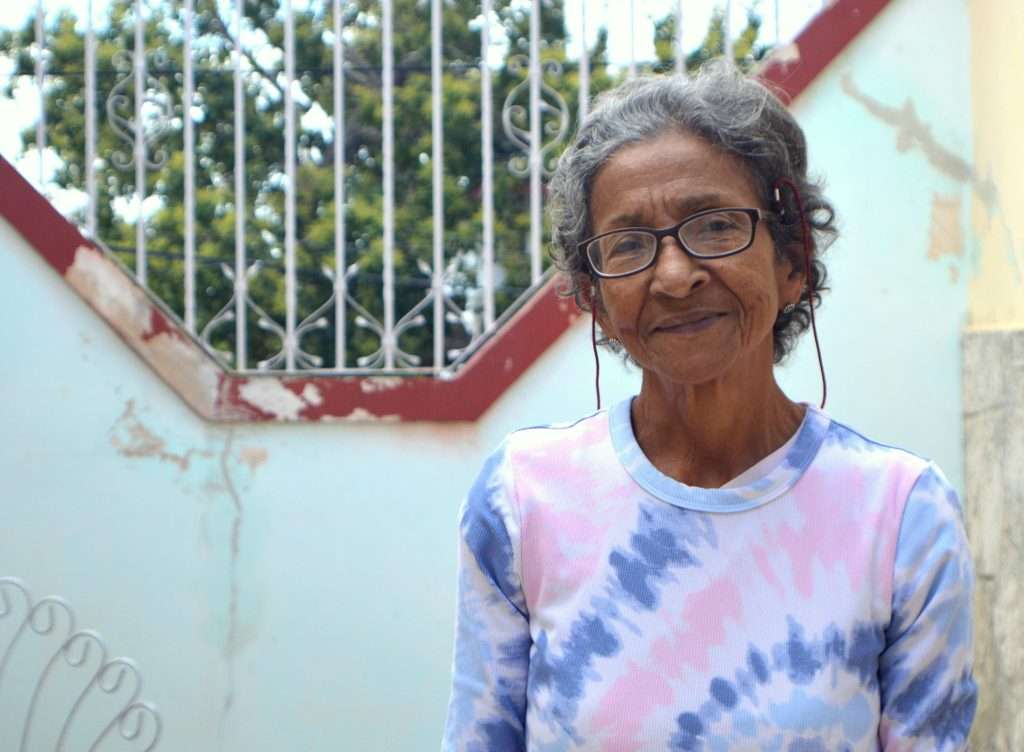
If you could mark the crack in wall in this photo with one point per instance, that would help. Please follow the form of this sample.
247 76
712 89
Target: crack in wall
131 438
231 640
912 132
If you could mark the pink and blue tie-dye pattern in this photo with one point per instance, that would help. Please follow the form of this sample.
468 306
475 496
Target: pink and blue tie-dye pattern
604 606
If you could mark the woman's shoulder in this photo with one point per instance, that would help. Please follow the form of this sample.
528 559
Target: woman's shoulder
847 446
541 445
843 438
555 439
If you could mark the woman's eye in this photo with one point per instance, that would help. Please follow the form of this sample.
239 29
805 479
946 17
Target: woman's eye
628 245
719 225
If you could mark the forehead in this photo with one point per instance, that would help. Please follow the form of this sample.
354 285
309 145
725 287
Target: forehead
671 173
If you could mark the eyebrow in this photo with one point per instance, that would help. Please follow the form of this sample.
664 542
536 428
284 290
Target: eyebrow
682 206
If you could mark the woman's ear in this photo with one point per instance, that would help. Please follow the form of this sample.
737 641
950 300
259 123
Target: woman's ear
790 275
587 296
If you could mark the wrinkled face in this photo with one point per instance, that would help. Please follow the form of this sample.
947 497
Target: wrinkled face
684 319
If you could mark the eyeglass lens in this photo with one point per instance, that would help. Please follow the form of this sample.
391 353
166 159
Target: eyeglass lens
709 235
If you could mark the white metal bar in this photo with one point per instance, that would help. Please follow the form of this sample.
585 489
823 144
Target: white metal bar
190 173
727 32
535 114
388 148
437 164
487 173
680 51
140 144
290 188
632 38
40 80
340 265
241 283
778 33
90 122
584 63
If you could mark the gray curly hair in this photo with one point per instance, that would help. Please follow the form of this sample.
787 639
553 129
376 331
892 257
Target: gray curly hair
728 109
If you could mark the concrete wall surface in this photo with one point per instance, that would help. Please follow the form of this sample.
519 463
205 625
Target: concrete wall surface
993 364
993 421
291 587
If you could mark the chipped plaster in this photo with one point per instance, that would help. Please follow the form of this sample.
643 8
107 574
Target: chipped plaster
311 393
131 438
177 359
272 397
253 457
375 384
360 413
912 132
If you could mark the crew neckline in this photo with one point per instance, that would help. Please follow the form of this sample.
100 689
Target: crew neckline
802 448
763 466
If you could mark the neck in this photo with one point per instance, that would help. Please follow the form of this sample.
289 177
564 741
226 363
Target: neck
706 434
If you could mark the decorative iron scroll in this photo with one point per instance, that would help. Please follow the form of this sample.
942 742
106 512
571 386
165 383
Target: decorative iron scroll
136 720
554 115
158 119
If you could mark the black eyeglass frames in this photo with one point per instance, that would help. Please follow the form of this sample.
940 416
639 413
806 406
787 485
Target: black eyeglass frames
712 233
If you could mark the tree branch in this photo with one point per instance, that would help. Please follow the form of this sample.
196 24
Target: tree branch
249 56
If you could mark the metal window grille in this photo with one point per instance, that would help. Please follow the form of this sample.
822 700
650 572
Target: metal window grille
339 221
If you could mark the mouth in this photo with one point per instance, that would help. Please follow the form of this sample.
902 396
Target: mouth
691 323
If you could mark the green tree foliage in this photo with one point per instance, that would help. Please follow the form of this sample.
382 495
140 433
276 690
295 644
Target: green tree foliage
264 176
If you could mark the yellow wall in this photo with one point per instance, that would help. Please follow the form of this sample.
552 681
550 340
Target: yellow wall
996 296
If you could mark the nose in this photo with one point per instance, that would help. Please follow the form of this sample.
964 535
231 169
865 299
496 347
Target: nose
675 272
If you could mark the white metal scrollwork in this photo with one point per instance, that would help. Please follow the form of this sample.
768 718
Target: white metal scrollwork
158 115
515 118
52 616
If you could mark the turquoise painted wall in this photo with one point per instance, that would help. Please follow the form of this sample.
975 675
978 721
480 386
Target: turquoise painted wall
291 587
890 327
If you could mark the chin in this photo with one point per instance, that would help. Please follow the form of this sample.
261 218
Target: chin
701 368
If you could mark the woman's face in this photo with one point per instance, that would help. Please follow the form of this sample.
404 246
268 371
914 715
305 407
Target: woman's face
684 319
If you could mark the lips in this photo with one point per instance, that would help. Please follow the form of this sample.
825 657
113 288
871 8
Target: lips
693 320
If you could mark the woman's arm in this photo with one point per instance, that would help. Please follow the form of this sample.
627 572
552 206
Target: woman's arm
928 691
487 710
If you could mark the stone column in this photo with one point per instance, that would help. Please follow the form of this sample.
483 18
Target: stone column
993 372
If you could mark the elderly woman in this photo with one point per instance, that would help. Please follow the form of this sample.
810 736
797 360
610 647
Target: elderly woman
707 565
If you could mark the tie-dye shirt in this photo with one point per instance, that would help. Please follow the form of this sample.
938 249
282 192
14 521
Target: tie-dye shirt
603 606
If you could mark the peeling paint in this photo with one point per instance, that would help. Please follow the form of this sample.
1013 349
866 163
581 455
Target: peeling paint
133 439
217 395
361 414
373 384
911 133
253 457
946 236
311 393
125 306
272 397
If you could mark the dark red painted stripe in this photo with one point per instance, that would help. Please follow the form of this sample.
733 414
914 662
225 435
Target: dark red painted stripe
37 220
820 43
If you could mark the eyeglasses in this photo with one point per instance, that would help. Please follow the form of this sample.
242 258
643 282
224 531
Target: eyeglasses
713 233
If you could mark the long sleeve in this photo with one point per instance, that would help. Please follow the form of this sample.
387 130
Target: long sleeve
487 709
927 689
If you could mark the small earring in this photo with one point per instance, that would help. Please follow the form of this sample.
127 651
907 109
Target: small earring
789 308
